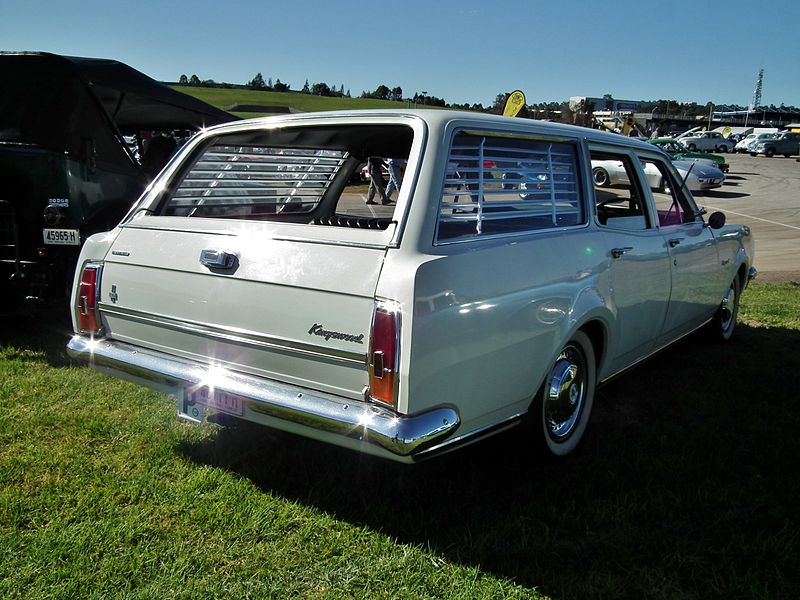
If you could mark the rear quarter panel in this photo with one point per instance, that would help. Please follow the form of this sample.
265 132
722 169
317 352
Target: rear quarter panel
490 317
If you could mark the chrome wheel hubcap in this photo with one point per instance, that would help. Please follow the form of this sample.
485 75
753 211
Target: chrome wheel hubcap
726 310
565 394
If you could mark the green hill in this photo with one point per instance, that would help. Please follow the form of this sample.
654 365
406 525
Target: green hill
229 99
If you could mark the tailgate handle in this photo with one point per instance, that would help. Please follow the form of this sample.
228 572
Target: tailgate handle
217 259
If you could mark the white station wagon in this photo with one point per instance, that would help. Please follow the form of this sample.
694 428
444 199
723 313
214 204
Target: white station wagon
252 278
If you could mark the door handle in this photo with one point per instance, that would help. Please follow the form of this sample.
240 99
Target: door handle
217 259
617 252
674 242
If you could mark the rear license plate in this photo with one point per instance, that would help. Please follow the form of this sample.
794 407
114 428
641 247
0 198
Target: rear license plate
218 400
62 237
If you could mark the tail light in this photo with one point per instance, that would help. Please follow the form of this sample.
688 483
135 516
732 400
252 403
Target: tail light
384 354
88 295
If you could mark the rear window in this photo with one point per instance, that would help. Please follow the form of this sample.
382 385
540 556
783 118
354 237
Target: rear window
502 185
242 181
314 175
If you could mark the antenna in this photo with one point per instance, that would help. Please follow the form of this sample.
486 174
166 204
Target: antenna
757 92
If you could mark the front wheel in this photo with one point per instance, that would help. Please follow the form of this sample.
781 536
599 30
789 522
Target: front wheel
692 147
563 405
724 321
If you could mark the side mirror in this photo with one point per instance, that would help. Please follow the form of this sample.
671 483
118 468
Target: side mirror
716 220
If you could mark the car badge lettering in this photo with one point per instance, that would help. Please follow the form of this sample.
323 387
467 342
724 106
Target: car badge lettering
113 296
317 329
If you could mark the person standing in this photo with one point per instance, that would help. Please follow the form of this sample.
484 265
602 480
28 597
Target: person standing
374 170
395 177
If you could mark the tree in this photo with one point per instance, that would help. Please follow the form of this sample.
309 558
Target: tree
183 80
257 82
396 94
306 89
280 87
381 92
321 89
499 104
194 80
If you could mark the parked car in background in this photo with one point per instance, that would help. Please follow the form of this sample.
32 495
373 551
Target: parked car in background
501 289
699 176
711 141
677 150
744 144
67 169
785 143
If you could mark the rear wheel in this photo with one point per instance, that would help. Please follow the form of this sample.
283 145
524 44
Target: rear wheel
563 405
601 177
724 321
692 147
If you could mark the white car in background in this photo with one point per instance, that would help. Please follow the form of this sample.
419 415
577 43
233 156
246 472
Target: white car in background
753 138
707 141
700 175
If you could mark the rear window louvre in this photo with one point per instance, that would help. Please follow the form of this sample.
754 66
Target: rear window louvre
506 185
248 181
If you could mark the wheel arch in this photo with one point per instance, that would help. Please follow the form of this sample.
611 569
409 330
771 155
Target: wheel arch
596 330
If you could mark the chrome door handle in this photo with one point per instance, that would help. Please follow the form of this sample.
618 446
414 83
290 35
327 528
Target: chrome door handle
217 259
674 242
617 252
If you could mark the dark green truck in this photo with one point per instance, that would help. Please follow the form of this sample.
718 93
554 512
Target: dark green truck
69 161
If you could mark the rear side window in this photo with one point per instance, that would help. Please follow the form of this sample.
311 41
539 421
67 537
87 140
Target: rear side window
503 185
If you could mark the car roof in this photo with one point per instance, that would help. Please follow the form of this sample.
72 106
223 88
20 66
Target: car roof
439 119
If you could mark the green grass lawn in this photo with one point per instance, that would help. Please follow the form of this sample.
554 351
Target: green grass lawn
686 487
227 98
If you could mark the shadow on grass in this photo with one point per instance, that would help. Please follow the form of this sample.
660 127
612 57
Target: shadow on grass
38 329
686 485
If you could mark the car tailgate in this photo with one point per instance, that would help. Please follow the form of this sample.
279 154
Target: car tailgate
293 310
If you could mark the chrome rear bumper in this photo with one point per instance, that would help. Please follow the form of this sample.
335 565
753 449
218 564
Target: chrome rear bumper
400 435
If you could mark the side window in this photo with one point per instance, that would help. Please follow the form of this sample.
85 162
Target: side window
672 206
618 196
507 185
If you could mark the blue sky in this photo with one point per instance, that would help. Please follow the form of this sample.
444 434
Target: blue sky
462 51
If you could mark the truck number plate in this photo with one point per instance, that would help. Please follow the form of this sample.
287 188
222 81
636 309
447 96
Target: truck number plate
218 400
62 237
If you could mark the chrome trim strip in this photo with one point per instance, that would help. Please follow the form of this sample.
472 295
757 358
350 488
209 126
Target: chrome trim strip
331 242
237 336
401 435
177 229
